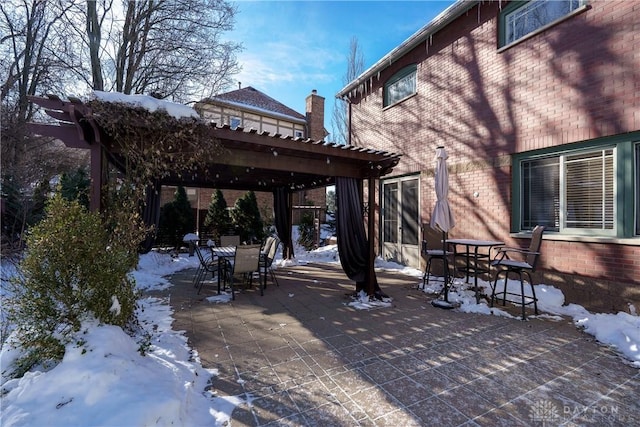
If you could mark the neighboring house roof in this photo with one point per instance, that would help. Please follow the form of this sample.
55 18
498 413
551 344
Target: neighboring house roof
249 98
438 23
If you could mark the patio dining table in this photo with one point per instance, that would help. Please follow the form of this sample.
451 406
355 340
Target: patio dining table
224 254
472 253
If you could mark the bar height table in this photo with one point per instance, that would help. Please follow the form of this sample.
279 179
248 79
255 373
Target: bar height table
472 252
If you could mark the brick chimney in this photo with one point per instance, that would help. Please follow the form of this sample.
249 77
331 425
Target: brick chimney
315 116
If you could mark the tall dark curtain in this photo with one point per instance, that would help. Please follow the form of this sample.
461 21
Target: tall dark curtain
151 215
281 210
352 243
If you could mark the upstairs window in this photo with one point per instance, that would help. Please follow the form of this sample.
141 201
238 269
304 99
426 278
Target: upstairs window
234 122
521 18
400 86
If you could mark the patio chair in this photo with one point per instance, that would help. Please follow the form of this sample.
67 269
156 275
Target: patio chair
266 262
207 265
266 244
526 264
437 254
229 240
245 263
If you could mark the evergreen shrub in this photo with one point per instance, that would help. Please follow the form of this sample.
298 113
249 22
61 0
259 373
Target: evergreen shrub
73 270
218 221
176 219
247 219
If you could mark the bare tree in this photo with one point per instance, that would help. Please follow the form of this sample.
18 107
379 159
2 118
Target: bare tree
168 48
26 67
27 40
340 118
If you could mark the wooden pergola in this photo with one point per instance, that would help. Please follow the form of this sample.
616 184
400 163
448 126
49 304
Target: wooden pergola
249 160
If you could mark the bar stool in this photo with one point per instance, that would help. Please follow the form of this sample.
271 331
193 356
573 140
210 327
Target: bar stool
437 254
505 265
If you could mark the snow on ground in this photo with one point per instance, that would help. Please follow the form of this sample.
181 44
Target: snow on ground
103 378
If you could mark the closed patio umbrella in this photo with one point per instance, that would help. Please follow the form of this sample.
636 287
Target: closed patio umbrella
442 217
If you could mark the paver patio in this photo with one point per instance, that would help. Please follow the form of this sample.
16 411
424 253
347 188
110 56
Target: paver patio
301 356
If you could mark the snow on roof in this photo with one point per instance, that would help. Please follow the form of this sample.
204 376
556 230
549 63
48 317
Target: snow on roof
148 102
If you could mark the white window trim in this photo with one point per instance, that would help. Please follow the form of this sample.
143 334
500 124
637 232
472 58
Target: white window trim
387 103
544 28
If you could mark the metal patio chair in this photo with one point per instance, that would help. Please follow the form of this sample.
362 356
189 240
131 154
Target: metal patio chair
244 264
524 264
229 240
266 261
208 264
435 254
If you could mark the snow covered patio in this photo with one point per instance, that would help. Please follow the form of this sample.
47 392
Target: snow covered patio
300 355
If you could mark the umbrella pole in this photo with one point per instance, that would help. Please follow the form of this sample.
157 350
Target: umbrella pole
444 302
446 266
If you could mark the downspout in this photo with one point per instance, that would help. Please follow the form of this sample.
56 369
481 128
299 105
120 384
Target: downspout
349 132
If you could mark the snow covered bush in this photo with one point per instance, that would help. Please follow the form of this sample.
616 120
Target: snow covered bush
74 269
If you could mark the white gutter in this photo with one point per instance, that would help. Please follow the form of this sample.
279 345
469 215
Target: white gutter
439 22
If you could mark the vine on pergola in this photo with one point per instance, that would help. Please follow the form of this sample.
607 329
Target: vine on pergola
154 144
147 146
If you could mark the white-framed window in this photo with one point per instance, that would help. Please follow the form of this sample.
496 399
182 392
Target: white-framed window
400 86
571 192
234 122
521 18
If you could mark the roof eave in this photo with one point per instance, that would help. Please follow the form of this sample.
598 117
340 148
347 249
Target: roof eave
439 22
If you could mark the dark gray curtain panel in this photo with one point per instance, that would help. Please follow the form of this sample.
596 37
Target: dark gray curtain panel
281 209
151 215
352 242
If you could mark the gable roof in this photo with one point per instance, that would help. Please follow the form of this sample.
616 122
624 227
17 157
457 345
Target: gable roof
252 99
439 22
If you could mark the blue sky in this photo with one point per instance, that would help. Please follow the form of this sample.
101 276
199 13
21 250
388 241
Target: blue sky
292 47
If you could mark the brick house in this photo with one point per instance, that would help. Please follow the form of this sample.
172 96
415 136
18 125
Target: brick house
249 108
538 106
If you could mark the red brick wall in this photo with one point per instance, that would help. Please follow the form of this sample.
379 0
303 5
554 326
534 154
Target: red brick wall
576 81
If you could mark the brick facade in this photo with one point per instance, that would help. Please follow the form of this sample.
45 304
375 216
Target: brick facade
576 81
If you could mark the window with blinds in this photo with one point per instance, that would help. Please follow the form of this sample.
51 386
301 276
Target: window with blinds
569 192
589 189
